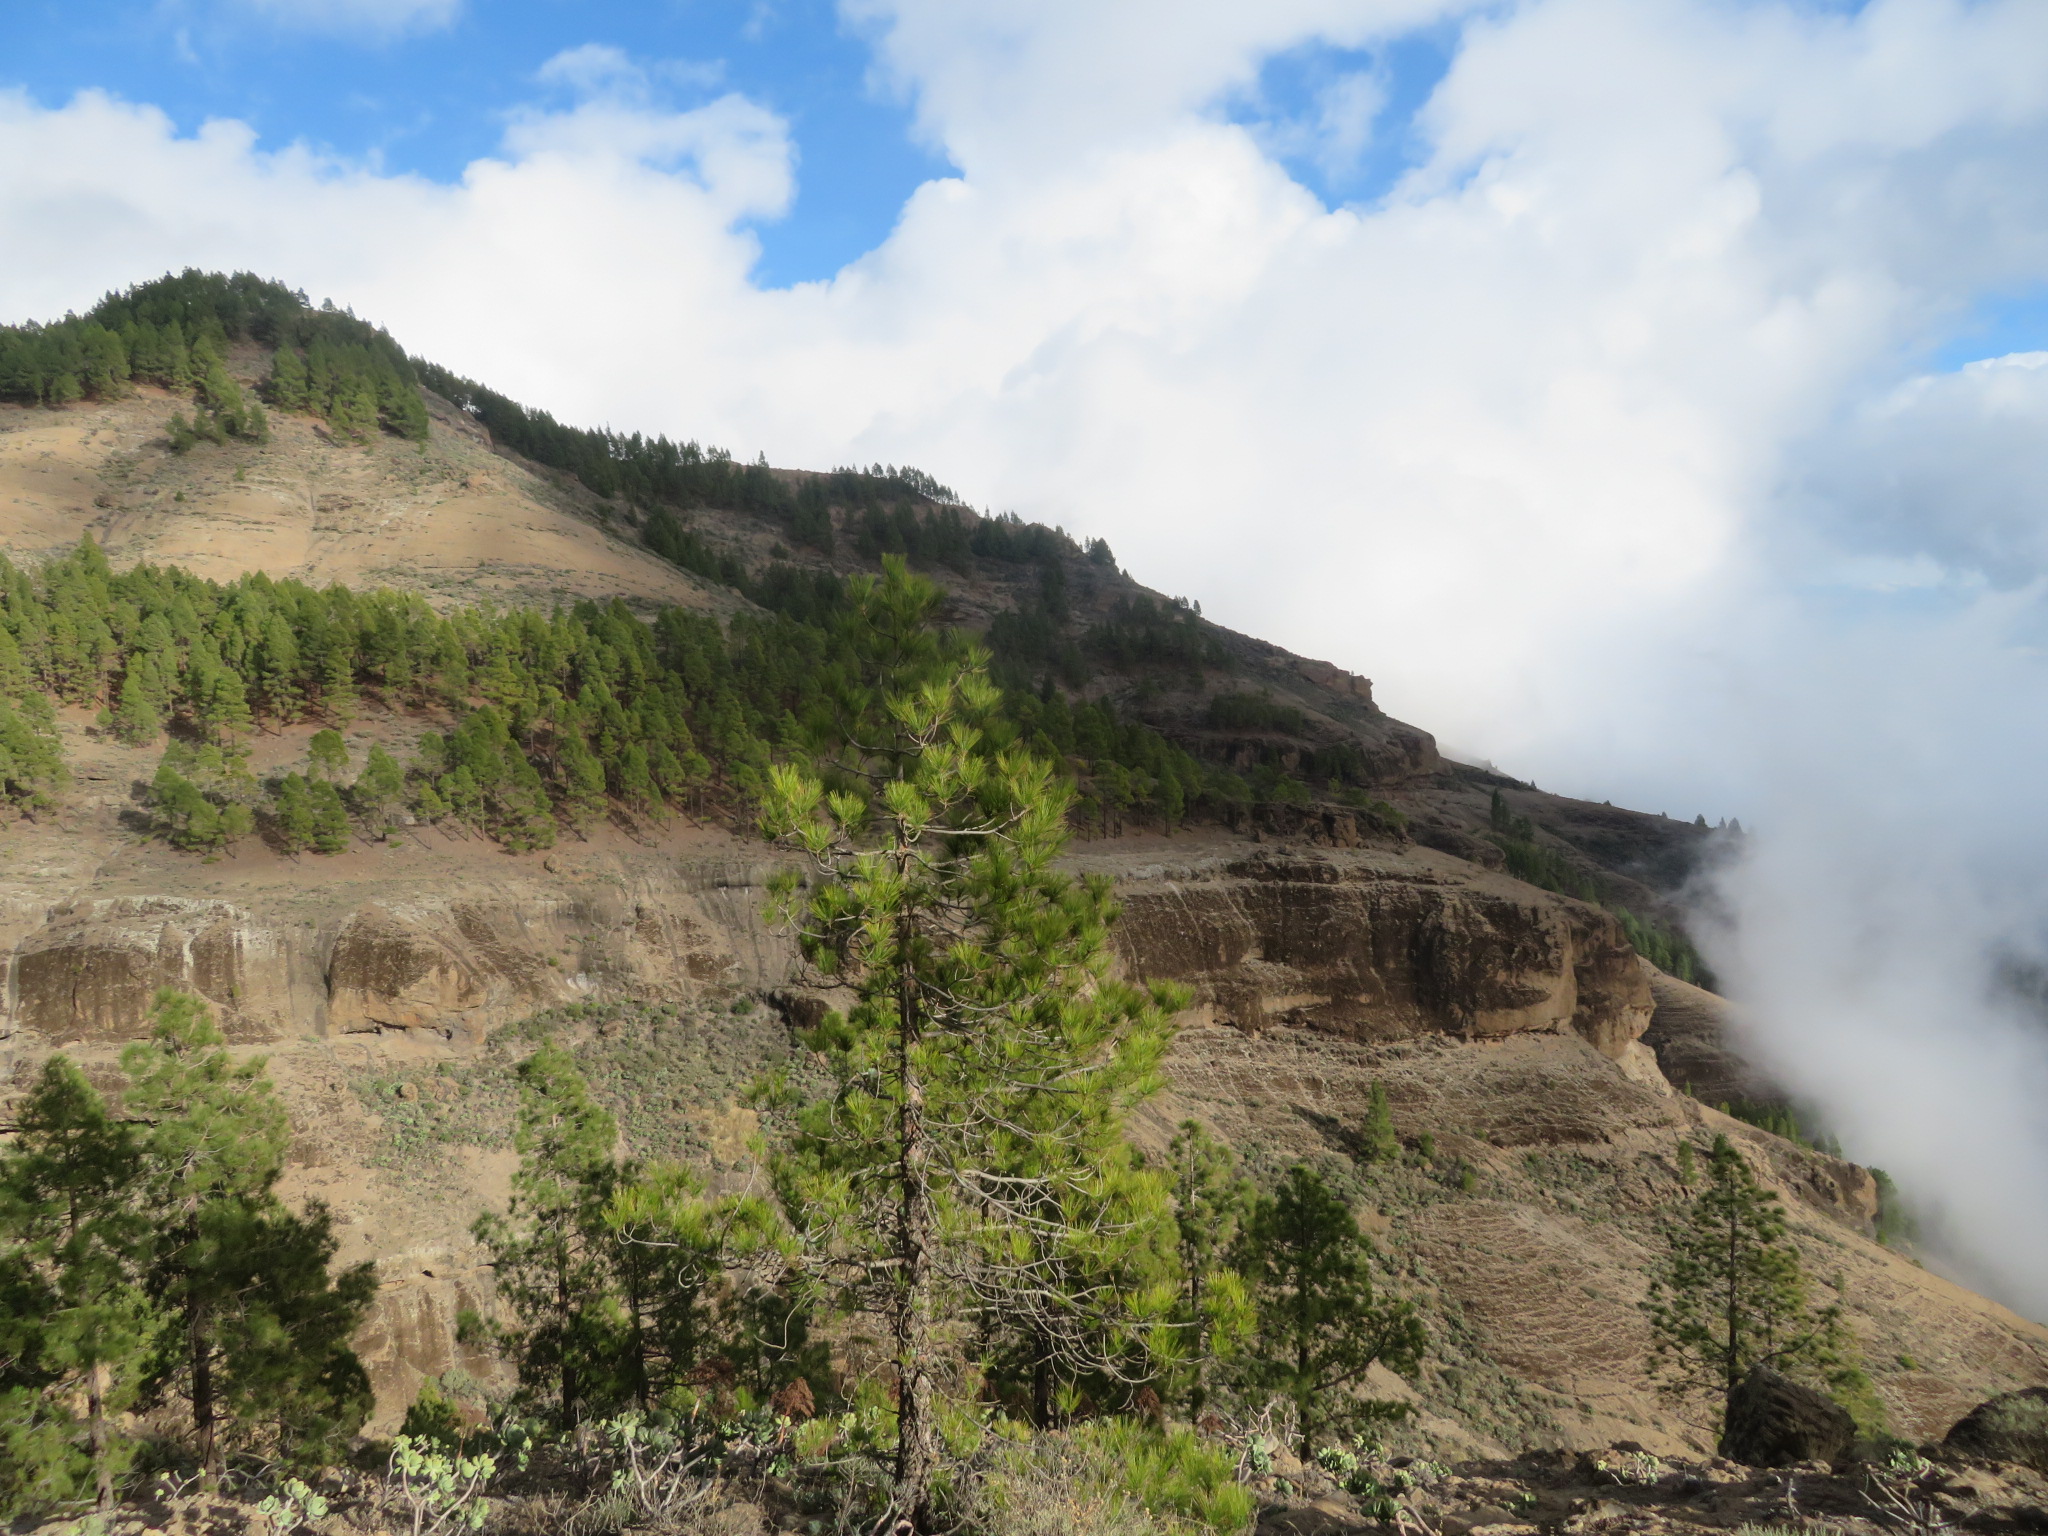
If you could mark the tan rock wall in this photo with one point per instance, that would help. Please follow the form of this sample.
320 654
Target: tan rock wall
1380 947
457 962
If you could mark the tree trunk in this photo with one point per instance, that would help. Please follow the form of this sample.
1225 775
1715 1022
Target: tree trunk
564 1311
203 1422
96 1437
917 1437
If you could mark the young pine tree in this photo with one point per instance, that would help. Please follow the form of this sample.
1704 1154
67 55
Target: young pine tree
1210 1202
1730 1292
78 1234
259 1342
1380 1143
1321 1323
549 1250
970 1165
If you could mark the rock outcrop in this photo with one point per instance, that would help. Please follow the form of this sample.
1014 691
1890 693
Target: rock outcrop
391 954
1774 1421
1379 946
2010 1427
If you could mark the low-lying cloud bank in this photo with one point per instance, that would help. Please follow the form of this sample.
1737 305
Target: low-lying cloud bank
1599 440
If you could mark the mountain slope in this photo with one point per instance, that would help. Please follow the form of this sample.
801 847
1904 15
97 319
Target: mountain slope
1363 912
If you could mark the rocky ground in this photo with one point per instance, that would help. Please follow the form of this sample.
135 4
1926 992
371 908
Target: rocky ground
1625 1489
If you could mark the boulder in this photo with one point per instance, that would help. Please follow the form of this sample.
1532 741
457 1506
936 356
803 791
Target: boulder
1773 1421
2010 1427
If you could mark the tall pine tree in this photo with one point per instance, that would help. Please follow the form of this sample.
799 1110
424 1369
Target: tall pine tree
1321 1322
260 1346
1730 1292
74 1218
969 1165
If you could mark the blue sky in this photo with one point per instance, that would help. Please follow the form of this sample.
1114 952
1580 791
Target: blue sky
429 100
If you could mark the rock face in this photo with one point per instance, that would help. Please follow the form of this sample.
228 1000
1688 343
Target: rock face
1695 1035
455 962
1382 946
1773 1421
2011 1427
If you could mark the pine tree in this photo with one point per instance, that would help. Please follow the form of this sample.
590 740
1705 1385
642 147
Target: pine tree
72 1216
549 1250
353 415
1321 1324
1210 1202
338 686
1379 1142
184 815
294 813
1731 1294
378 787
327 755
31 760
582 778
287 384
135 719
970 1163
262 1328
666 1246
274 669
331 830
634 782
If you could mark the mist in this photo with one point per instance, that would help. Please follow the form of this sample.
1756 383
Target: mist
1889 921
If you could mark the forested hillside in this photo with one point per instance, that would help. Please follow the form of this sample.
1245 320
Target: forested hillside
545 721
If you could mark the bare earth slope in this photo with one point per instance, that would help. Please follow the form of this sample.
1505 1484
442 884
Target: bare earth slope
392 986
450 519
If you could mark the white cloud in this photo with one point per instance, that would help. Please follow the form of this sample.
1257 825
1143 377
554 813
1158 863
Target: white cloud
375 18
1594 443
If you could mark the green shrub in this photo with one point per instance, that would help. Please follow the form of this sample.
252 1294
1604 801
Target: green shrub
1115 1478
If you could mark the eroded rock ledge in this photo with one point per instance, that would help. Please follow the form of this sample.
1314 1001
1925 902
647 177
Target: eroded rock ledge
1376 946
